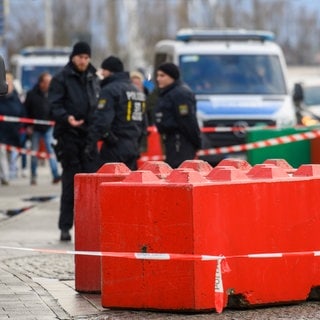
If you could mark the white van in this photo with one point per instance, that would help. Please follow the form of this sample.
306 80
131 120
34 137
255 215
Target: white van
32 61
239 78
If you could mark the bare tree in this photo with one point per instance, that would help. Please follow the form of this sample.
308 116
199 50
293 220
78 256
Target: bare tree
306 47
297 30
154 19
112 27
22 32
70 27
183 13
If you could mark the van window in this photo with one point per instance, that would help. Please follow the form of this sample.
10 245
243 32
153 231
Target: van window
233 74
30 74
311 95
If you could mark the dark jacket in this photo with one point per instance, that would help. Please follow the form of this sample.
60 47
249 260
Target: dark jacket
10 105
175 112
37 107
120 120
120 111
73 93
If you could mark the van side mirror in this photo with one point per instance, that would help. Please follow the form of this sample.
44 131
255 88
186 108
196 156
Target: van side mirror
298 95
3 83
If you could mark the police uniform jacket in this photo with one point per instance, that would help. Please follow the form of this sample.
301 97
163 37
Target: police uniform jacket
73 93
120 113
175 113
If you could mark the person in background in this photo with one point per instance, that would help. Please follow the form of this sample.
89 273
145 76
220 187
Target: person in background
37 107
73 95
137 79
10 105
175 116
120 119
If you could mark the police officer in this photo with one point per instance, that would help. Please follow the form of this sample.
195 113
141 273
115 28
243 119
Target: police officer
175 116
120 118
73 96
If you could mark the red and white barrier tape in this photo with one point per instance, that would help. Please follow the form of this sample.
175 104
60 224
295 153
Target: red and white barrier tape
150 129
248 146
218 288
128 255
167 256
220 150
222 265
25 120
219 295
262 144
42 155
152 158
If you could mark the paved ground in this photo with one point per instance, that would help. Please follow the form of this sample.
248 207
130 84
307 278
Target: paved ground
40 286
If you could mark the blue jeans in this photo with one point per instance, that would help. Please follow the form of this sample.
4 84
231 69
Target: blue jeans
35 141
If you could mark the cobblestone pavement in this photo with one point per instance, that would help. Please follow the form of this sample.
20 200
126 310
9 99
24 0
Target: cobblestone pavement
37 286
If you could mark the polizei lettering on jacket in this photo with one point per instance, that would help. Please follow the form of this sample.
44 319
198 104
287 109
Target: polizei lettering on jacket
136 105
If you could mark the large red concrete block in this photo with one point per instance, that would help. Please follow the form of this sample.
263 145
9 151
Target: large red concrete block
87 223
264 222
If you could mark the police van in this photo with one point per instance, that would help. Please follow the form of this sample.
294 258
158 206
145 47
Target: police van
30 62
239 78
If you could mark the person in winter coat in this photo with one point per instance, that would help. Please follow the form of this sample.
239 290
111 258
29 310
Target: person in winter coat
175 116
120 119
73 95
10 105
37 107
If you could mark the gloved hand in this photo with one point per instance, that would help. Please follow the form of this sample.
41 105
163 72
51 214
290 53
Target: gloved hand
58 149
110 139
90 151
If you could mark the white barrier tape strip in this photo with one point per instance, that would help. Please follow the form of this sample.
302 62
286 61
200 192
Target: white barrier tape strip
266 255
152 256
25 120
218 289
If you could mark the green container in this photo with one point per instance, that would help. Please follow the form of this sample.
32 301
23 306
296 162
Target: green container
295 153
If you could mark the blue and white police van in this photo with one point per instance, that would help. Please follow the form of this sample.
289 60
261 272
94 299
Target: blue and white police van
239 78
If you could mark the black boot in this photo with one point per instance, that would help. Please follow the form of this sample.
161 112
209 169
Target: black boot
65 235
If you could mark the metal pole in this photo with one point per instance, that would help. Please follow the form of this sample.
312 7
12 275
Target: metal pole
48 22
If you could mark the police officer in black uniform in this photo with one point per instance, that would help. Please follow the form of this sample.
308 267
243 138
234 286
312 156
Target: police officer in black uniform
120 118
175 116
73 96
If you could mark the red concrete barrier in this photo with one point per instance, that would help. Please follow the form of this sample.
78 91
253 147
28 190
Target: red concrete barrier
201 166
263 220
282 163
277 217
87 223
237 163
159 168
